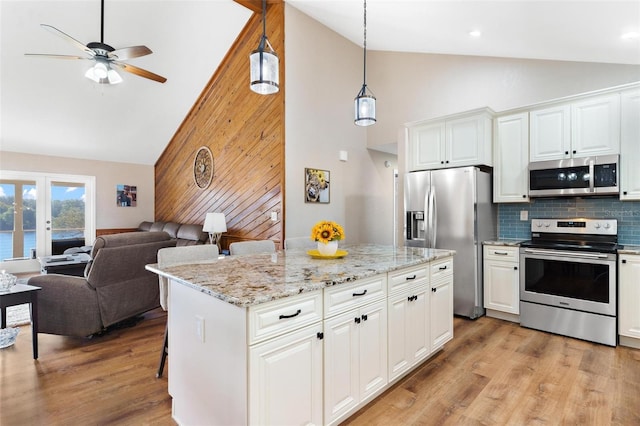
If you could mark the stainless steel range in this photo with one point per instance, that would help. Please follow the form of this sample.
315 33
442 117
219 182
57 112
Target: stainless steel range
568 282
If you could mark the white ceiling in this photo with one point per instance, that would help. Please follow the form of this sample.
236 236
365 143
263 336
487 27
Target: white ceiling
48 107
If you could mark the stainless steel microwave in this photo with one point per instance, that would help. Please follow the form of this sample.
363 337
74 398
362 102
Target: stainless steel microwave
574 177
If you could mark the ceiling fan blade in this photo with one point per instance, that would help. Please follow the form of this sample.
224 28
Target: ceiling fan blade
47 55
139 71
67 37
130 52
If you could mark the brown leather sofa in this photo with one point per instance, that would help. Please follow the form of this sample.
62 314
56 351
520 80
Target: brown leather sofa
116 286
184 234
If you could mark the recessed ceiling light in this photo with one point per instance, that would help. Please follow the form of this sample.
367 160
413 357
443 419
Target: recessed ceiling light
631 35
475 33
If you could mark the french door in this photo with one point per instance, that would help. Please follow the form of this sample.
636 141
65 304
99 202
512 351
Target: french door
42 215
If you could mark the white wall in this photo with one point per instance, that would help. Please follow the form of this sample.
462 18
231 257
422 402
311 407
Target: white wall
323 75
108 175
412 87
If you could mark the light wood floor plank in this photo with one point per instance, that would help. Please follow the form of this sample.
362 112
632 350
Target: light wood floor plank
493 373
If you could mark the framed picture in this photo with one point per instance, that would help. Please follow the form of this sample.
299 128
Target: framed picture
316 186
126 195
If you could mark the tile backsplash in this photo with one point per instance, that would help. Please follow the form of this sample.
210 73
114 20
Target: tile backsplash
627 212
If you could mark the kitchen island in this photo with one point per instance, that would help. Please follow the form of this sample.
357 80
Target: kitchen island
285 338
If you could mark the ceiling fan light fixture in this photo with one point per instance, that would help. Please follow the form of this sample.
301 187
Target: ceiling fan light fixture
102 73
365 102
264 64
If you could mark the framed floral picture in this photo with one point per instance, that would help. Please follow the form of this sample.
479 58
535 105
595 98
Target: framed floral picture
316 186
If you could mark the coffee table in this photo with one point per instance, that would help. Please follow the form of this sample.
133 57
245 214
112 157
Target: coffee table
65 264
17 295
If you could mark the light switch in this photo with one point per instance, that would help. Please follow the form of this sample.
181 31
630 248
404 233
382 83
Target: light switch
524 215
274 216
200 328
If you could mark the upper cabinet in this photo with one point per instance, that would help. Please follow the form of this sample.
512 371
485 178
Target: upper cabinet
582 128
511 159
630 146
455 141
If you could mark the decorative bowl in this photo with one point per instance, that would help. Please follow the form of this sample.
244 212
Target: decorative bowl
7 281
8 336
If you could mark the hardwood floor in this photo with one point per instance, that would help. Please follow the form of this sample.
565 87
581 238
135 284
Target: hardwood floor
493 372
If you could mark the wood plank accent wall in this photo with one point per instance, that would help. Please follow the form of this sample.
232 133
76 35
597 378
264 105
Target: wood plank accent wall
245 133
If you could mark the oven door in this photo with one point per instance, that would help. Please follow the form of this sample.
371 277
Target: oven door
569 279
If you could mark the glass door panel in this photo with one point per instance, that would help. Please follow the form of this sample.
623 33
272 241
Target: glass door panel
17 219
67 220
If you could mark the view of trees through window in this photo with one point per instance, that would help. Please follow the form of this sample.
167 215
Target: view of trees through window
67 214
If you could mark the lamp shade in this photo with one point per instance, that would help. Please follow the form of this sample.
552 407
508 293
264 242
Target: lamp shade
214 223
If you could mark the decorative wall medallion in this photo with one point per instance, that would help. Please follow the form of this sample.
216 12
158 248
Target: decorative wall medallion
203 167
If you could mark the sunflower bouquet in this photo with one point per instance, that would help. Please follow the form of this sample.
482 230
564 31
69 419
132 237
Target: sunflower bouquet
326 230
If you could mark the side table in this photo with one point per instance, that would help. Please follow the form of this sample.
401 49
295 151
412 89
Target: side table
17 295
65 264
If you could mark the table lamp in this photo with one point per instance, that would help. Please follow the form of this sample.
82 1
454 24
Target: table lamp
215 224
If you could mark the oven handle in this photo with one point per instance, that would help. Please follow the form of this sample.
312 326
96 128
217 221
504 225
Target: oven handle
591 176
566 254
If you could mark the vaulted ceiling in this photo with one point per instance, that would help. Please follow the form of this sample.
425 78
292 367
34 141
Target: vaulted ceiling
48 107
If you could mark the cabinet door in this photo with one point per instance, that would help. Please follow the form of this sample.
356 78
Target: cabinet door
441 304
550 133
466 142
287 369
340 365
501 286
595 126
427 147
408 329
629 296
511 159
630 146
372 348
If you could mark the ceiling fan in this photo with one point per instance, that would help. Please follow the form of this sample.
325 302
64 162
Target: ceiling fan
105 56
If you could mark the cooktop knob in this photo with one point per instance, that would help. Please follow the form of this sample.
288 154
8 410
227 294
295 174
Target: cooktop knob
607 226
547 224
597 225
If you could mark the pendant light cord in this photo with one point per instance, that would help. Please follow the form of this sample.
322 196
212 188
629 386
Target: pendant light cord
264 24
364 73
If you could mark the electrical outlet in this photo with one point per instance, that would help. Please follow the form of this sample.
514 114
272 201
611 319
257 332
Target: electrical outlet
524 215
200 328
274 216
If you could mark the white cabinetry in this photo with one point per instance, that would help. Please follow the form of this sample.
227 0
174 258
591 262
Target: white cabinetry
461 140
355 347
630 146
441 302
629 300
586 127
511 159
501 282
286 369
408 319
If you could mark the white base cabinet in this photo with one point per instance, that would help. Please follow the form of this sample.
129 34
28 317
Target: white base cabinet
629 299
501 279
355 363
314 358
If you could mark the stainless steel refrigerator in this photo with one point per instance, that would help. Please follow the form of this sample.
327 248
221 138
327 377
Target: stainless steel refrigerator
453 209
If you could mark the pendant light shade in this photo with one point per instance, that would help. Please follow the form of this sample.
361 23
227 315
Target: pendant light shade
365 102
265 74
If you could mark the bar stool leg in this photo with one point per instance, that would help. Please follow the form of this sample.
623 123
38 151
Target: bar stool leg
165 352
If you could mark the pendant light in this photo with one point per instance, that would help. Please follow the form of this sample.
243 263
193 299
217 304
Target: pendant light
264 64
365 102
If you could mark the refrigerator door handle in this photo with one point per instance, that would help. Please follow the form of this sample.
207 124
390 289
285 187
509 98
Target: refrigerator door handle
434 212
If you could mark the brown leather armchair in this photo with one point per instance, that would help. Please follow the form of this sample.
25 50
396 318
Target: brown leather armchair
116 286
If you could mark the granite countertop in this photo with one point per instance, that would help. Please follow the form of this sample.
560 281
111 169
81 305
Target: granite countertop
630 250
246 280
505 242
